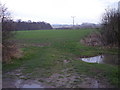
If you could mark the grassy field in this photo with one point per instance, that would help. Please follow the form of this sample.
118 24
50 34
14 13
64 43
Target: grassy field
45 52
51 36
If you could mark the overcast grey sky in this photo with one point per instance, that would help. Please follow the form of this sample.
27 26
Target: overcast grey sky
59 11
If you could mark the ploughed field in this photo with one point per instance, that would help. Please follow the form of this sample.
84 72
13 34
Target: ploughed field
52 58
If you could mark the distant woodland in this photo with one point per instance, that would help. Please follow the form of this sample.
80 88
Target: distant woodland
28 25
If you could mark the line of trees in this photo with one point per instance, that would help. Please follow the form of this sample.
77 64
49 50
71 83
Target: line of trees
28 25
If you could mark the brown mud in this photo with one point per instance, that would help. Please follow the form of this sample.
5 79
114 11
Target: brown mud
66 78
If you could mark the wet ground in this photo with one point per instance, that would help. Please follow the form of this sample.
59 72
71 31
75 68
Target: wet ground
65 79
20 83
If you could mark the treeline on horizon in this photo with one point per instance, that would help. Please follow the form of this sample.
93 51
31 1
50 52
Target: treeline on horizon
29 25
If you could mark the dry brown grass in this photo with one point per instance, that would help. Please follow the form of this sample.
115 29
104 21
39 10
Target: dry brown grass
9 52
92 40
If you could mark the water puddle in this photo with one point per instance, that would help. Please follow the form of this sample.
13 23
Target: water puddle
28 84
19 83
104 59
31 86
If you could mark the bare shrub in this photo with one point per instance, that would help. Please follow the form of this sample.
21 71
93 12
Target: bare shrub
109 30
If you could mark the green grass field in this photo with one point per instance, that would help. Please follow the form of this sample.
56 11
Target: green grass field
51 36
46 50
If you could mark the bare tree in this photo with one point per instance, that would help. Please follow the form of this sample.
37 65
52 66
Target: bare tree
7 34
110 31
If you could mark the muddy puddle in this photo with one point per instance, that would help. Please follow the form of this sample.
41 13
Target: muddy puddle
15 79
103 59
19 83
28 84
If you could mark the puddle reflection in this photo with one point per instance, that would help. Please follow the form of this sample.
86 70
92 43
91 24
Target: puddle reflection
104 59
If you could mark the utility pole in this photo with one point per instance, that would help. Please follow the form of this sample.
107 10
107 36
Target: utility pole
73 22
119 7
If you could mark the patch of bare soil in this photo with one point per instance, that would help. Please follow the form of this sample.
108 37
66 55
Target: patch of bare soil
20 83
35 44
16 79
66 78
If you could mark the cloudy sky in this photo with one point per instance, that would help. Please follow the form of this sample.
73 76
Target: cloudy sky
59 11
